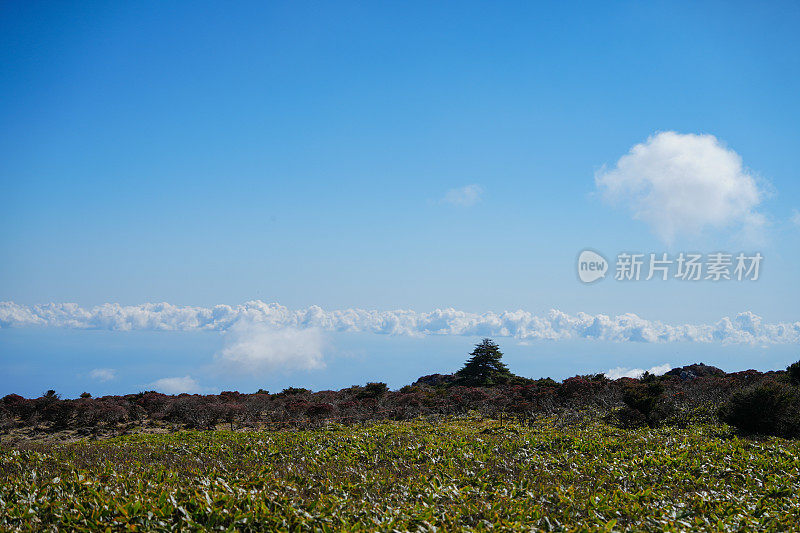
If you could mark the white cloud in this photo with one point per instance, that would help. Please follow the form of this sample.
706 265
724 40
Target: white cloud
256 347
176 385
684 184
103 374
621 372
745 327
795 218
466 196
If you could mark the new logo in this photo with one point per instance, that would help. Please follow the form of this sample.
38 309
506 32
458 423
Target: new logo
591 266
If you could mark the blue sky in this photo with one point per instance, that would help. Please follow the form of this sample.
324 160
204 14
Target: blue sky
315 154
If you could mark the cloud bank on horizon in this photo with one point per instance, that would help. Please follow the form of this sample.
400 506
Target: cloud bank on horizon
682 184
745 327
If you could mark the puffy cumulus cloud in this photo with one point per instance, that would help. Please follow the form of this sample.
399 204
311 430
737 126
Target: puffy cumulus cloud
176 385
103 374
256 347
684 183
745 327
466 196
622 372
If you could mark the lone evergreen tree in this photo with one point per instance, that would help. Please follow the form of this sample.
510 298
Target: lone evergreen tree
484 367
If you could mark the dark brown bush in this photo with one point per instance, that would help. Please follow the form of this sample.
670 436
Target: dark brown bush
626 402
793 371
319 410
768 408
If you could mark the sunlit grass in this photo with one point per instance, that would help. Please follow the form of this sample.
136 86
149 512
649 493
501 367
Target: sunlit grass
459 474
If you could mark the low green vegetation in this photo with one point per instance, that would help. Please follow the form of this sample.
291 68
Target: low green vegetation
480 449
465 473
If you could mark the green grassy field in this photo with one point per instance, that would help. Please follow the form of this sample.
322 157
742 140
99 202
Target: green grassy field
455 475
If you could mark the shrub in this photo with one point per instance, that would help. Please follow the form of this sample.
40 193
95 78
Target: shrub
409 400
770 408
627 418
231 412
19 406
86 395
10 399
230 396
319 410
255 406
51 395
6 418
582 389
644 397
57 412
373 390
435 380
297 406
194 411
155 404
93 413
349 405
794 373
293 391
